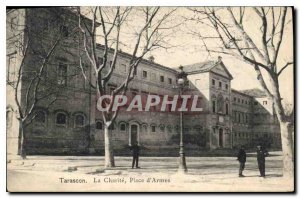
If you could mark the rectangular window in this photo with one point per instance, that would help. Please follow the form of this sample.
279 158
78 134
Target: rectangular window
123 68
226 86
227 109
234 99
235 116
62 74
11 67
213 82
153 128
162 79
170 81
145 74
255 103
265 102
64 31
220 85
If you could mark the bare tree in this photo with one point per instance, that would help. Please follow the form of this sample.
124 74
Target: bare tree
259 46
35 47
148 35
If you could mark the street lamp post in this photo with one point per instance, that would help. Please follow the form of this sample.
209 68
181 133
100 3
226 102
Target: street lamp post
181 81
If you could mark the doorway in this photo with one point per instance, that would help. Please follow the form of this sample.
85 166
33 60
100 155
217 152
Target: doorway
133 136
221 138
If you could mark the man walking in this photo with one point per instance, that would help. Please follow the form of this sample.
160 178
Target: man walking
261 154
135 154
241 157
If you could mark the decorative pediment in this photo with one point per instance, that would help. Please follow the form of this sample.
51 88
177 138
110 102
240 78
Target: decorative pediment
221 70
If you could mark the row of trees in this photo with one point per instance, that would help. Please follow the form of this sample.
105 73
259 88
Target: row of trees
144 29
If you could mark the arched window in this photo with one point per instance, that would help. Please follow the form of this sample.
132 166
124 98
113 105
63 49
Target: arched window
220 103
169 128
61 118
99 125
145 127
214 106
153 128
40 117
112 127
123 126
79 120
162 128
227 108
177 128
214 103
197 128
186 129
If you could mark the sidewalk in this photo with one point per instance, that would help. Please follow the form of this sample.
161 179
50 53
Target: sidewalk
43 173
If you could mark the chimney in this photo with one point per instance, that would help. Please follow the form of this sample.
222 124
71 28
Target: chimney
151 58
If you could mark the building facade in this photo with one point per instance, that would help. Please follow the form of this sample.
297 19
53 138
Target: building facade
73 125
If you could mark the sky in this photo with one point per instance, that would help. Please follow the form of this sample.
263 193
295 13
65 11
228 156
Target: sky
192 51
184 47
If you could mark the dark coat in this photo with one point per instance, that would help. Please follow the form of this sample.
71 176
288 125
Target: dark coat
261 154
242 156
135 149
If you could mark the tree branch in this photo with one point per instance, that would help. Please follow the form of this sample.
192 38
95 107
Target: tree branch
284 67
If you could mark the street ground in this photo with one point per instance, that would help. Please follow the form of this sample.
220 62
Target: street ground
205 174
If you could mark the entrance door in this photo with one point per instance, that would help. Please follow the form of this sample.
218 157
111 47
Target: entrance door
133 134
221 138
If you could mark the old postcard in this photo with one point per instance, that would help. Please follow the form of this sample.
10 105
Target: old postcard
150 99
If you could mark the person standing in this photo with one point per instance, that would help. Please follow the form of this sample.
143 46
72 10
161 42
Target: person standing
135 154
261 154
241 157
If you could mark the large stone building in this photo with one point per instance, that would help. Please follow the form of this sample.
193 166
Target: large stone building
73 125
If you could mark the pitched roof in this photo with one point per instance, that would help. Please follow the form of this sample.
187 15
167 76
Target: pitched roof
257 93
206 66
199 67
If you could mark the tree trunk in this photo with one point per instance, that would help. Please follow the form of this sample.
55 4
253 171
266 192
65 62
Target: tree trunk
109 153
287 149
22 141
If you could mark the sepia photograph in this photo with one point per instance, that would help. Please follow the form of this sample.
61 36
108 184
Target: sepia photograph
150 99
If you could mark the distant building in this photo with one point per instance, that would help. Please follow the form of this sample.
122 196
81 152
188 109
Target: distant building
73 125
